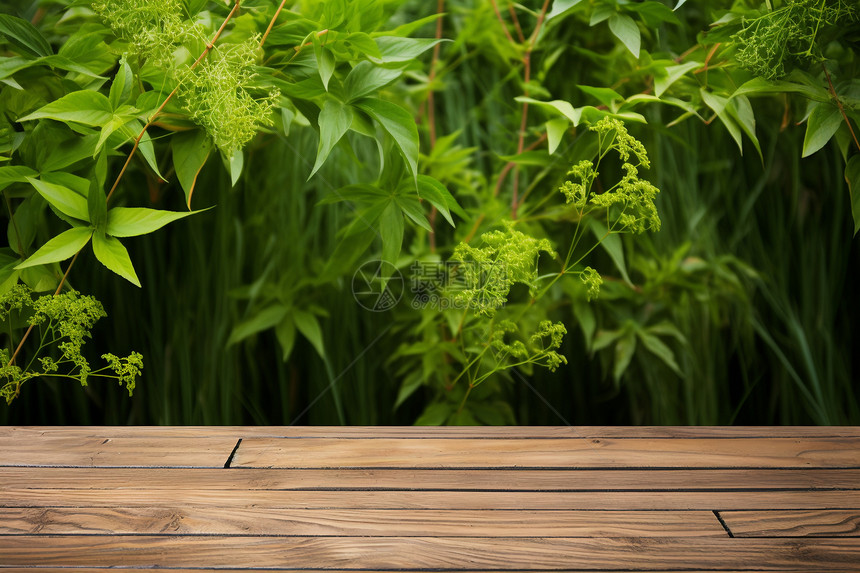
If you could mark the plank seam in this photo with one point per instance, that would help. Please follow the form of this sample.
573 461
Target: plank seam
723 523
233 453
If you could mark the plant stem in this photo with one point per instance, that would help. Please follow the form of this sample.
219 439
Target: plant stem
272 22
206 51
431 110
839 105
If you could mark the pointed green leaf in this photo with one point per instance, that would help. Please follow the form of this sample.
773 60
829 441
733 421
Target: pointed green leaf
234 165
555 130
400 125
24 35
396 49
120 89
112 254
606 96
263 320
613 246
664 78
624 350
190 152
64 199
85 107
820 127
559 7
365 78
556 107
437 194
741 111
309 326
135 221
325 61
285 331
131 130
60 248
625 29
718 104
335 119
659 349
10 174
97 206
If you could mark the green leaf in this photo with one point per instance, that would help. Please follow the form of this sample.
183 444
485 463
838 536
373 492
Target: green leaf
624 350
679 4
654 13
309 326
334 120
112 254
10 174
437 194
325 61
606 96
285 331
820 127
234 165
761 87
391 231
60 248
365 78
613 246
560 7
85 107
852 176
190 152
121 88
626 30
667 76
659 349
400 125
97 205
741 111
555 107
263 320
24 35
395 49
718 104
131 130
555 130
62 198
136 221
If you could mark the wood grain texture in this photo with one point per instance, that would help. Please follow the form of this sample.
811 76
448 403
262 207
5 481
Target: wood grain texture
429 552
547 453
812 523
423 479
39 569
81 451
350 523
452 432
457 500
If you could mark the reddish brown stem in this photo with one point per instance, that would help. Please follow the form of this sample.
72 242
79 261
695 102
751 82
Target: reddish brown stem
206 51
516 21
839 105
502 22
272 22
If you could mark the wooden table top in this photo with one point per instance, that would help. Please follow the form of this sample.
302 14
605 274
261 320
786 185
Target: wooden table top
677 499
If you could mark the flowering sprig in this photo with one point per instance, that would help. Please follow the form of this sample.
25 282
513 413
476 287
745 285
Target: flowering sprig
64 322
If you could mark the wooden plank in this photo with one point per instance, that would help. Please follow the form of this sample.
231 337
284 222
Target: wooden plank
379 432
547 453
455 500
812 523
39 569
67 450
430 552
341 522
422 479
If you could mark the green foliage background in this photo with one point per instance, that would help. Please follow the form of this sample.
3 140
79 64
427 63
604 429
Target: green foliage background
739 310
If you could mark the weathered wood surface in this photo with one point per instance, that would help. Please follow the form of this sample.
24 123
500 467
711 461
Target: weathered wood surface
90 499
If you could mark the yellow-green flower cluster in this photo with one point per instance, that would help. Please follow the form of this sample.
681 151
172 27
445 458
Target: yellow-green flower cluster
592 281
507 257
540 350
216 95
